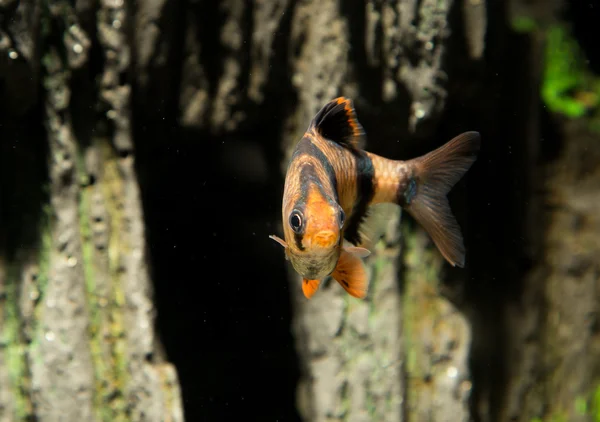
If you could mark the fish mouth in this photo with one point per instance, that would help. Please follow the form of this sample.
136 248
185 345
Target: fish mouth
325 239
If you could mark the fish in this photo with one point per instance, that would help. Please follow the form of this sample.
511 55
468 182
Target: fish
332 184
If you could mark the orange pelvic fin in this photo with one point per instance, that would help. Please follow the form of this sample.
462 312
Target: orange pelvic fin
350 272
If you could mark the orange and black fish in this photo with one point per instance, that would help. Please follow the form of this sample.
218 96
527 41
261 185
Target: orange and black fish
331 183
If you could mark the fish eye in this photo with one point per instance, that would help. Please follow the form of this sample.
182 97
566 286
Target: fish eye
296 221
342 218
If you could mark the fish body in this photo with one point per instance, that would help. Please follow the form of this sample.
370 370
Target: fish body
331 183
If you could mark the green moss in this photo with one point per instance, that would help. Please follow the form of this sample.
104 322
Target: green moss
588 405
105 307
106 330
524 24
95 330
558 417
421 272
554 418
581 406
15 348
370 404
595 404
585 405
411 352
569 87
112 192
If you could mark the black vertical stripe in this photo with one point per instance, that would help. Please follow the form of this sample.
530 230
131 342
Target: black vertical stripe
300 205
365 184
298 239
308 176
308 147
407 186
406 191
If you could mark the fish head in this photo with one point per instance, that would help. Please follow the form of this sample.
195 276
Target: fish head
313 234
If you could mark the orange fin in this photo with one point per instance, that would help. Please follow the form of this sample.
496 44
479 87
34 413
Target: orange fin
350 272
337 122
309 287
425 198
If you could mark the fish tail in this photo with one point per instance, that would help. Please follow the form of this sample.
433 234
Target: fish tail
425 198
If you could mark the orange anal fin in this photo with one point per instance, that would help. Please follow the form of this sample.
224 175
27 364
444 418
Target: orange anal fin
309 287
350 272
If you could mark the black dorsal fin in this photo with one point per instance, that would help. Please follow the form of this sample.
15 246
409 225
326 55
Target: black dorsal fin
337 122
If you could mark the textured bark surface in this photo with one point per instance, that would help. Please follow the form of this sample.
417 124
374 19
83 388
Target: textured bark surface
353 349
573 272
78 315
106 63
148 140
437 339
555 372
392 356
548 337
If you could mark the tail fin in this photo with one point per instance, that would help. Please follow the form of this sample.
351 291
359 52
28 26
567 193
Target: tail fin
435 174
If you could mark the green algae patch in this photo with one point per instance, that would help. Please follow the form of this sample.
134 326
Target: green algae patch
524 24
595 404
581 406
421 274
558 417
94 327
13 338
569 87
112 189
584 405
105 295
10 338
